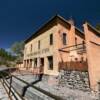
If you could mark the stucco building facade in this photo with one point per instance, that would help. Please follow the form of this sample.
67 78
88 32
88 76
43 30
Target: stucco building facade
58 44
47 48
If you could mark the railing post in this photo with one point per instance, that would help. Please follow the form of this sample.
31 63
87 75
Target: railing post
10 85
98 90
3 80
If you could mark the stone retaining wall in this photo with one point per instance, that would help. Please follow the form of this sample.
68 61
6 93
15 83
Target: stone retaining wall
74 79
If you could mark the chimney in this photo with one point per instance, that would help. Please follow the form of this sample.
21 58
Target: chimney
71 21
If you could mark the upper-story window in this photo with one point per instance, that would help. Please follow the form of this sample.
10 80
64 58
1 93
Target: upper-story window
83 42
31 48
39 44
64 38
51 39
76 41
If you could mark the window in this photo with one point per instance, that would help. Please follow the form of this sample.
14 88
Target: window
64 39
76 41
82 59
76 59
25 50
39 44
50 62
35 62
83 44
42 62
51 39
31 48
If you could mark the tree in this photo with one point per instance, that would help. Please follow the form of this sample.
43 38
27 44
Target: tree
17 48
6 58
98 26
6 55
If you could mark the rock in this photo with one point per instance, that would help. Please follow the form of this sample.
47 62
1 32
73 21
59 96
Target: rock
75 79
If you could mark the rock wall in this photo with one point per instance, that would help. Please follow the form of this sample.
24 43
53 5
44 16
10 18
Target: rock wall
74 79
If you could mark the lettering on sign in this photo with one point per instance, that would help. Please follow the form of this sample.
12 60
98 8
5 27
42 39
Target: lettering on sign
38 52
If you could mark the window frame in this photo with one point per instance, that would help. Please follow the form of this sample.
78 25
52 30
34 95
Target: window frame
51 39
31 48
64 38
38 44
50 66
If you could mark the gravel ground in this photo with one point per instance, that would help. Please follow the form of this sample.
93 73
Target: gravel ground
64 92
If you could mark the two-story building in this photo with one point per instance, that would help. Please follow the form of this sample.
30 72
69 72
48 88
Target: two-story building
57 44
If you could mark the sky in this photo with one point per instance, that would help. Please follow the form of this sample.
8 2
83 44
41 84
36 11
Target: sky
21 18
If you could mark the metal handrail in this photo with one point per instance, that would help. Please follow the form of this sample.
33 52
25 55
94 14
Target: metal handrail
30 85
6 89
39 89
10 87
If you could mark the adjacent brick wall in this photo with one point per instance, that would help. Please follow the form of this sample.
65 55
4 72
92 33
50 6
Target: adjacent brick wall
93 54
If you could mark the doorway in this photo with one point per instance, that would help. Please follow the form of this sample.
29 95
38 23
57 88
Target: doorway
50 62
41 65
42 62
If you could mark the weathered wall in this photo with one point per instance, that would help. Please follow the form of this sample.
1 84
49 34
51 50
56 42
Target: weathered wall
93 54
67 59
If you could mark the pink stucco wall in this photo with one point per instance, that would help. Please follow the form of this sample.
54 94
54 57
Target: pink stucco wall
66 57
93 54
